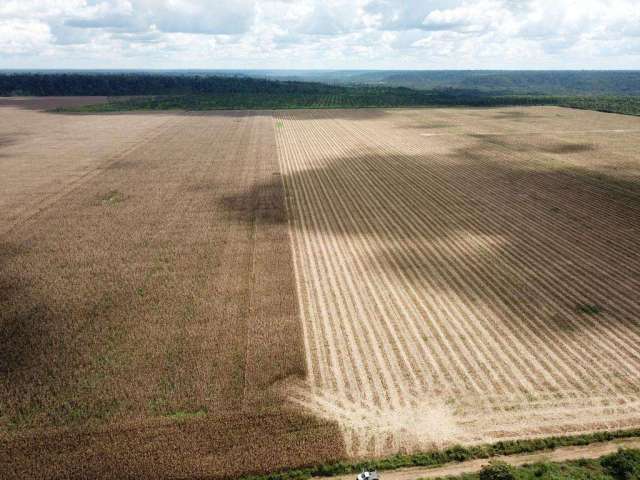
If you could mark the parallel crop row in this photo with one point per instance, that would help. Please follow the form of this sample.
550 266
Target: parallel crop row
443 296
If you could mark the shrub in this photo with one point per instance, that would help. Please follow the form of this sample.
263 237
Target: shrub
588 309
541 469
623 465
497 471
457 453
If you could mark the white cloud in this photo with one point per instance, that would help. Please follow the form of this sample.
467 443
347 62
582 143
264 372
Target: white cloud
184 16
320 33
19 37
198 16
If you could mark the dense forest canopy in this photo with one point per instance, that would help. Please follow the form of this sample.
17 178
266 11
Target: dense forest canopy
547 82
116 84
204 91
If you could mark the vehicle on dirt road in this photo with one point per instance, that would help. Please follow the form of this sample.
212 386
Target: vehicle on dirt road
368 475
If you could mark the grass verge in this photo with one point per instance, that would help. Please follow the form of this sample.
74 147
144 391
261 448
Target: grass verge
456 453
622 465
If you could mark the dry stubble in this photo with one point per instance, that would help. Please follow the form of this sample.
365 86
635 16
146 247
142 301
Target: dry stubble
466 275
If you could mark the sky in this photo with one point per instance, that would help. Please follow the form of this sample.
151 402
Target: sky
315 34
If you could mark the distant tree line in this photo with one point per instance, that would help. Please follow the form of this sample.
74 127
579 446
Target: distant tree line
539 82
126 84
208 92
585 83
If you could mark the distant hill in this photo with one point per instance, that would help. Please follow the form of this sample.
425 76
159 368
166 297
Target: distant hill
540 82
160 82
139 83
204 90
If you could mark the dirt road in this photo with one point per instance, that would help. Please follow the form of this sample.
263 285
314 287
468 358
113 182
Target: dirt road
558 455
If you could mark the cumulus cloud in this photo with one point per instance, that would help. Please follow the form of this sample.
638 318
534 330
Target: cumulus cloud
184 16
23 36
198 16
320 33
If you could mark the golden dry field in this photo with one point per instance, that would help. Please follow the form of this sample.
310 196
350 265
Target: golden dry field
466 275
214 294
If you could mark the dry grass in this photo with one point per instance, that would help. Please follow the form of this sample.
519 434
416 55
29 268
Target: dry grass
462 275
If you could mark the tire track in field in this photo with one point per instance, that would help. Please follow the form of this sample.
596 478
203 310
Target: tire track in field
372 200
382 225
414 332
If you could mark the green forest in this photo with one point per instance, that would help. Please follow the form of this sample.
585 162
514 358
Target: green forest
147 91
542 82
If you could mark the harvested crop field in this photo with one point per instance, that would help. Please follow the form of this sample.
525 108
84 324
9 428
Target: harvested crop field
466 275
236 292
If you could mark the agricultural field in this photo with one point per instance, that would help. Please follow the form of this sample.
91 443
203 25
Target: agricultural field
214 294
465 275
147 299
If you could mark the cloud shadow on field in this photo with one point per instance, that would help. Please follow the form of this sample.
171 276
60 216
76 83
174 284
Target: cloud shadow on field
555 147
20 315
430 217
515 115
7 141
264 202
568 148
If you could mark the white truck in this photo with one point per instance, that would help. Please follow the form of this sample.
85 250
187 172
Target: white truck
368 475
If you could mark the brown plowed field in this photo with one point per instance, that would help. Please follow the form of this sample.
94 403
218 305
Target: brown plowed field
207 295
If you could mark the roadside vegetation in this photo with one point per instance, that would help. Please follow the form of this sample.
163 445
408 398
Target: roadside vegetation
456 453
622 465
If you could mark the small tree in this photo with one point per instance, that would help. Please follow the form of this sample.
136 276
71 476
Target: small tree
497 470
623 465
